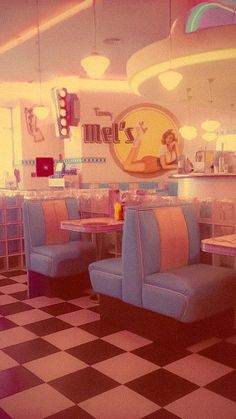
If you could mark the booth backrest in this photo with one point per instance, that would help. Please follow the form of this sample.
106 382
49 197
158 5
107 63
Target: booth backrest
41 222
156 239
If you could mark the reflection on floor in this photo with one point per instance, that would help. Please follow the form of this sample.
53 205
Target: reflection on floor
58 361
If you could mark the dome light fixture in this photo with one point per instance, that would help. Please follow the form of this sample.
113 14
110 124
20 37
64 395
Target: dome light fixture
210 125
40 111
95 64
209 136
170 79
188 132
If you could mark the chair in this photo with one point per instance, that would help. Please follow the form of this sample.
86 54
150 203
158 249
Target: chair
160 272
56 260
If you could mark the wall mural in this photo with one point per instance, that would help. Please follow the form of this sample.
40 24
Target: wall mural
148 140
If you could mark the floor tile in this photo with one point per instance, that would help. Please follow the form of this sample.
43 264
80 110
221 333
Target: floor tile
20 278
198 369
16 379
108 405
232 339
162 414
54 366
43 301
204 404
125 367
225 386
71 413
28 317
83 302
15 335
60 308
13 308
44 401
126 340
10 289
6 362
28 351
6 281
66 339
48 326
95 351
197 347
162 387
224 352
7 299
6 324
20 296
100 329
160 354
83 384
77 318
12 274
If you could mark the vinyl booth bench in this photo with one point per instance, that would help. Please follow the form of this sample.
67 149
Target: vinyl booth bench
56 260
158 287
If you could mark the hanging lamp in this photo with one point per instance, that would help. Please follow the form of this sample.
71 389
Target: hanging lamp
40 111
188 132
170 79
210 124
95 64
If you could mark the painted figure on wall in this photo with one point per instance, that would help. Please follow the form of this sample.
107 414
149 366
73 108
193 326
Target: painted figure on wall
168 154
153 145
32 125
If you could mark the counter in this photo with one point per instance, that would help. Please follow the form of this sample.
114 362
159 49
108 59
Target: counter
204 185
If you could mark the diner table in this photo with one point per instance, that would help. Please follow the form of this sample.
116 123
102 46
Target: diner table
222 245
96 227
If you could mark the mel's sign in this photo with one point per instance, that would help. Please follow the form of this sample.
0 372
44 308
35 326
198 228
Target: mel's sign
94 133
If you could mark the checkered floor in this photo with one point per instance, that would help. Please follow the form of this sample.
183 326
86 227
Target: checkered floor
57 360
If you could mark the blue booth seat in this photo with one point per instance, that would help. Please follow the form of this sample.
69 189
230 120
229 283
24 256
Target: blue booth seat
54 256
160 269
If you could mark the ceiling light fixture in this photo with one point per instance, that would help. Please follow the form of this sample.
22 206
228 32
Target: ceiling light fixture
210 125
40 111
209 136
170 79
95 64
188 132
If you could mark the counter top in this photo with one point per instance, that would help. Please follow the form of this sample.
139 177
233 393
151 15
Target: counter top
202 175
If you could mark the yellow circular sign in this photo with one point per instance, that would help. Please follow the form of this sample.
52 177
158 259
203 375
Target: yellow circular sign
149 142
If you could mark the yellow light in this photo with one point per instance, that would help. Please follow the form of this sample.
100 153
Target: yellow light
41 111
210 125
170 79
209 136
141 76
95 65
188 132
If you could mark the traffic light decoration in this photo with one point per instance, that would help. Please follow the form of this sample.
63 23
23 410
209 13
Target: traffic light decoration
67 111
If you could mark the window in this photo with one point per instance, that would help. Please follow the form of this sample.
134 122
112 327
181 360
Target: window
6 135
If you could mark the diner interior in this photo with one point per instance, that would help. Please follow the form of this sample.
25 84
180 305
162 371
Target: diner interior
118 209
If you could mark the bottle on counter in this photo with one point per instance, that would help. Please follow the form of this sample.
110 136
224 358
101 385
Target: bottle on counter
221 160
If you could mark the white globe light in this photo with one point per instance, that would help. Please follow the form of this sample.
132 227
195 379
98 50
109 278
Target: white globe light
210 125
188 132
209 136
41 111
170 79
95 65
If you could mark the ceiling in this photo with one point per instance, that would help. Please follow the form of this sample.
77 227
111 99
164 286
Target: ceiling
123 27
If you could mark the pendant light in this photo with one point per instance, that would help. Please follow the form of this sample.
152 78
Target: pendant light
188 132
95 64
170 79
210 125
40 111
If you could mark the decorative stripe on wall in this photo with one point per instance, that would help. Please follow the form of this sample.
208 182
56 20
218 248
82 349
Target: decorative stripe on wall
70 161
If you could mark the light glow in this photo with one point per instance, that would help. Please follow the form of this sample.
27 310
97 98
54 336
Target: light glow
95 65
209 136
210 125
176 63
188 132
41 111
170 79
